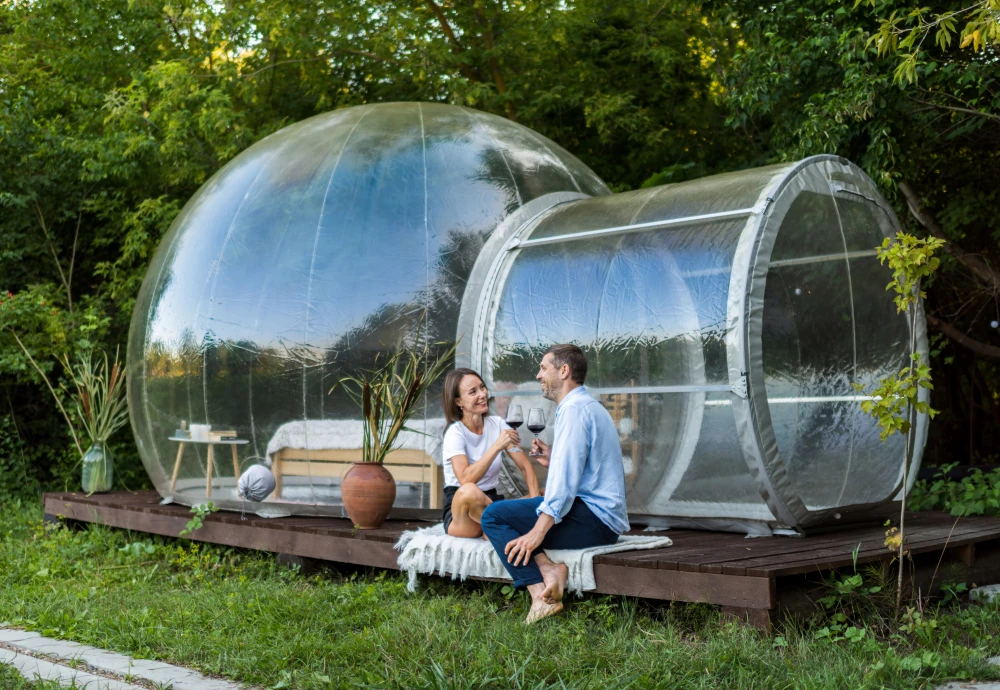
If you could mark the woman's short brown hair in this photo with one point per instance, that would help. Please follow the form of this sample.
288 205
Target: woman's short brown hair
451 393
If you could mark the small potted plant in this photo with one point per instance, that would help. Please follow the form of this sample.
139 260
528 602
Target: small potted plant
101 407
388 396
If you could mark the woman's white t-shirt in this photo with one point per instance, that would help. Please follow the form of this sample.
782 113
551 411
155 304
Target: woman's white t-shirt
458 440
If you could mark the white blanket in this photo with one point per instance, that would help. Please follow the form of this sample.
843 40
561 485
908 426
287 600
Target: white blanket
430 551
346 434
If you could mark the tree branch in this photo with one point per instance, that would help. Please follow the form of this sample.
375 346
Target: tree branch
45 378
55 255
982 270
317 59
963 339
968 111
495 64
456 47
72 256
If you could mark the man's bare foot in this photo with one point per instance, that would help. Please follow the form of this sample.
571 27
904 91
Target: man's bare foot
540 610
555 576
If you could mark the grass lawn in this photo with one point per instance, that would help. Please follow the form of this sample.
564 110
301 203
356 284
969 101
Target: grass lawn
240 615
12 680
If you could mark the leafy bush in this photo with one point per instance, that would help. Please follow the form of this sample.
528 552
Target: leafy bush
978 493
17 464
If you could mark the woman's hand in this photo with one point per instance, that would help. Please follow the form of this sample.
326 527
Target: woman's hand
507 438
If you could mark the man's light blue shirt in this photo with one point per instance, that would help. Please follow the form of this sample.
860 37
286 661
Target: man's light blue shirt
586 462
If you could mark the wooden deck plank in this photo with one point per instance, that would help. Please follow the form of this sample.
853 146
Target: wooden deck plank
744 592
712 567
220 529
828 561
801 549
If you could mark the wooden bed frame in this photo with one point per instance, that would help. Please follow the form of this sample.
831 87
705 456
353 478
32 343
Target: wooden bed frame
403 464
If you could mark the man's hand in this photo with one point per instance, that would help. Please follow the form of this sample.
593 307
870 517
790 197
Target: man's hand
540 452
519 550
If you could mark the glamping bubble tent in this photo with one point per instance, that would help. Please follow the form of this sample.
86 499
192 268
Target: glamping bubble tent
724 319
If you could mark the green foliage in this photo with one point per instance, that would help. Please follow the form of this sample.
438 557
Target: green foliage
806 80
978 493
903 33
952 592
114 112
912 261
891 400
17 480
895 398
199 513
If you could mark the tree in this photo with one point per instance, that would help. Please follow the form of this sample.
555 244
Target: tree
114 112
809 79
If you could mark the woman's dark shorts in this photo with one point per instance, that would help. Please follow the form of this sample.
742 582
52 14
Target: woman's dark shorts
449 494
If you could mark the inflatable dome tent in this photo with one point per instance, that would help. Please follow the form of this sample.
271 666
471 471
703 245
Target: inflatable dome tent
724 319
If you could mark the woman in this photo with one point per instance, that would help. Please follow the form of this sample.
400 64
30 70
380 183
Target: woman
472 449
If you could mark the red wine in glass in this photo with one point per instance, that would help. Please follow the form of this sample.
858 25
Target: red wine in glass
536 424
514 420
514 417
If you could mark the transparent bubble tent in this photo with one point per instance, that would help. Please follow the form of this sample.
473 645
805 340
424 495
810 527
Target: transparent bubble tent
724 319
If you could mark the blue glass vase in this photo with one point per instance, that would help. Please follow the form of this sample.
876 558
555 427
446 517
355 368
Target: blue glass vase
98 470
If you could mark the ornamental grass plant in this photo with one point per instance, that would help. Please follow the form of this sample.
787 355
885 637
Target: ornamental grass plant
388 394
100 405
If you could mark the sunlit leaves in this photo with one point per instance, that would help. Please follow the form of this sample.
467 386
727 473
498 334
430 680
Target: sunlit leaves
905 33
911 260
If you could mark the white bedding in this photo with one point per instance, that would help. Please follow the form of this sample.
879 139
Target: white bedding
329 434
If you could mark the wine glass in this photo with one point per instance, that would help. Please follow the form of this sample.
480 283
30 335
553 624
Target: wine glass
536 424
514 418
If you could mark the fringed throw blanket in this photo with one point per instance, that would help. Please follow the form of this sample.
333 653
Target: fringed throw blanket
430 551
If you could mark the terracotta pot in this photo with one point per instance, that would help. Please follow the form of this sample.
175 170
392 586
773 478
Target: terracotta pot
368 491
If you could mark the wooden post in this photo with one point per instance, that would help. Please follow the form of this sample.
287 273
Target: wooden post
276 469
236 462
208 472
177 466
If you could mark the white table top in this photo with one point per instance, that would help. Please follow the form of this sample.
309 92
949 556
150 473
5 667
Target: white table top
234 442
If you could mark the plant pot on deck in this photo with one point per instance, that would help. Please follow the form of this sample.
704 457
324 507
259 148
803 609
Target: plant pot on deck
368 492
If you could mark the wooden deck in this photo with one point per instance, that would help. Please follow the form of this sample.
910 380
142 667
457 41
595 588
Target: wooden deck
753 579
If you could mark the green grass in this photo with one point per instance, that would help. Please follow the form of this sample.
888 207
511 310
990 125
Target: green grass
238 614
12 680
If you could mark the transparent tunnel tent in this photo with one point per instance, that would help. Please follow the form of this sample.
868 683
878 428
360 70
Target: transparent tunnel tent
725 319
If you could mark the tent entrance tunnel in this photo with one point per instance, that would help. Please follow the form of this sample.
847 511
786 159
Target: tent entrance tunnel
724 319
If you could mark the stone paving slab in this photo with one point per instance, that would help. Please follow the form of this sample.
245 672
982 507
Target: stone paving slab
156 672
38 669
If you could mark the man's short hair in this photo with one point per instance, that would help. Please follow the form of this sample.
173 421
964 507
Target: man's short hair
567 353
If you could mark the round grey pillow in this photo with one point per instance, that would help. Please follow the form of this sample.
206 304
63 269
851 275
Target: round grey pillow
256 483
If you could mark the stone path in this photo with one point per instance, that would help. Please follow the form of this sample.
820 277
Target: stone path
36 657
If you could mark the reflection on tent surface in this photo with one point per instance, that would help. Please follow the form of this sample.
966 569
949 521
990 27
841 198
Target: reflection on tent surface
724 319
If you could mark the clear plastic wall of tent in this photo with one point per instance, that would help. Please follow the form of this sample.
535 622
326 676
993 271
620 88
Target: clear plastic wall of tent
316 250
724 319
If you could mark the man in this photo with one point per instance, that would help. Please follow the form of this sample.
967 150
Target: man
584 501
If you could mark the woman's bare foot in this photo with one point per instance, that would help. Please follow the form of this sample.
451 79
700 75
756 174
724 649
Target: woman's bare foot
540 610
555 576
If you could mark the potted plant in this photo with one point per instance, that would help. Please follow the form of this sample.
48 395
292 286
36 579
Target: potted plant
388 396
101 407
